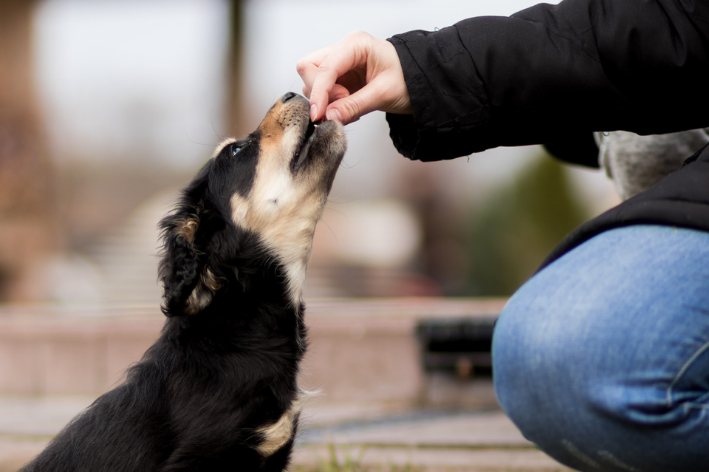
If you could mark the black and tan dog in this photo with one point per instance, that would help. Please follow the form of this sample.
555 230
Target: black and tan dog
218 391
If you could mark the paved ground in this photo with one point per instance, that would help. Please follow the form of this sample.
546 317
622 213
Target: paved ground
380 437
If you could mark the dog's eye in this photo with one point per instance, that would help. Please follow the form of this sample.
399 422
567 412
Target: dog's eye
236 148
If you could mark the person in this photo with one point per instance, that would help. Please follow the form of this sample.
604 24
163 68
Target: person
602 357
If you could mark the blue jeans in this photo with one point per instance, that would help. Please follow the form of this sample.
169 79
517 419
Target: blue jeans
602 358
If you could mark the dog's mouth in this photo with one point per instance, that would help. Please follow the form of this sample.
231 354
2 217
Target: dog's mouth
301 154
317 147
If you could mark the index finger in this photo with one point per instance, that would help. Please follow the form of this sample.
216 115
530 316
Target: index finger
307 67
340 58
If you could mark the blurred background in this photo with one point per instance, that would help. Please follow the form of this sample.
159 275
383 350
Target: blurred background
108 107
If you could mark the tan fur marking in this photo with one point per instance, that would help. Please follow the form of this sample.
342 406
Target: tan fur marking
202 295
283 208
222 145
188 228
279 433
270 128
281 211
210 281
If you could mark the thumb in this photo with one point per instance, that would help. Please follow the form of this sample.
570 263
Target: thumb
342 110
352 107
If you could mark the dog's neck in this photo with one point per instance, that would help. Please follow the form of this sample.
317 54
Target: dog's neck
273 278
292 249
296 266
260 293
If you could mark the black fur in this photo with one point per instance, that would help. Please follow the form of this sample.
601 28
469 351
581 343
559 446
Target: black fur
197 398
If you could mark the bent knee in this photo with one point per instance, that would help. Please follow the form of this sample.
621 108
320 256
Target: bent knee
584 410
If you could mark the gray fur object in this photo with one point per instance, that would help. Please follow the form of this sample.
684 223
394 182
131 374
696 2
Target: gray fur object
636 163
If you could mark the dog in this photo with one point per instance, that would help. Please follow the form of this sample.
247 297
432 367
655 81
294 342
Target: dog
218 390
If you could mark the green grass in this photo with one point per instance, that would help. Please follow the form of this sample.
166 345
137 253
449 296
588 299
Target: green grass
351 464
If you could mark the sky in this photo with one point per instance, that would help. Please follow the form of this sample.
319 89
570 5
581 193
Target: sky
122 74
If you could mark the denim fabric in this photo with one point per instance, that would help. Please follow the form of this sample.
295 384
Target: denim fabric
602 358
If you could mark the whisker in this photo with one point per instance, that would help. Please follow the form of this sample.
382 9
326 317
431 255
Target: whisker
344 165
214 128
338 212
344 202
187 135
330 228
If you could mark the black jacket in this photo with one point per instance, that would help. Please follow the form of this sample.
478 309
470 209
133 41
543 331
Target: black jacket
555 73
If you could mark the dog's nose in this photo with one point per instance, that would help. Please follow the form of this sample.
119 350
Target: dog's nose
288 96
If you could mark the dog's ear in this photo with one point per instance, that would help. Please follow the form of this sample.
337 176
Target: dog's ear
188 284
180 265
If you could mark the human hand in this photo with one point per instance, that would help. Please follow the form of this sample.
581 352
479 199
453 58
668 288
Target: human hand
354 77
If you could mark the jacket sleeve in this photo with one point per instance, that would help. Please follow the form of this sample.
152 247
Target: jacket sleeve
554 71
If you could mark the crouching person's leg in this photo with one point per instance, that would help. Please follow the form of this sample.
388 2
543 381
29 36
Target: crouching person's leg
602 358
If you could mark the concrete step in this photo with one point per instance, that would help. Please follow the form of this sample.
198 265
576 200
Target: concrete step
360 350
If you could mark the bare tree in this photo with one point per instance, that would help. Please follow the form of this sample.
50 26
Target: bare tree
27 225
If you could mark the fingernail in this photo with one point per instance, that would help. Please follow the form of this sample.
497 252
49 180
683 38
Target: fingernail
334 114
313 112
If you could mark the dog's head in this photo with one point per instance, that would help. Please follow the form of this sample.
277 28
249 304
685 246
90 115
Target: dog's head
257 199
